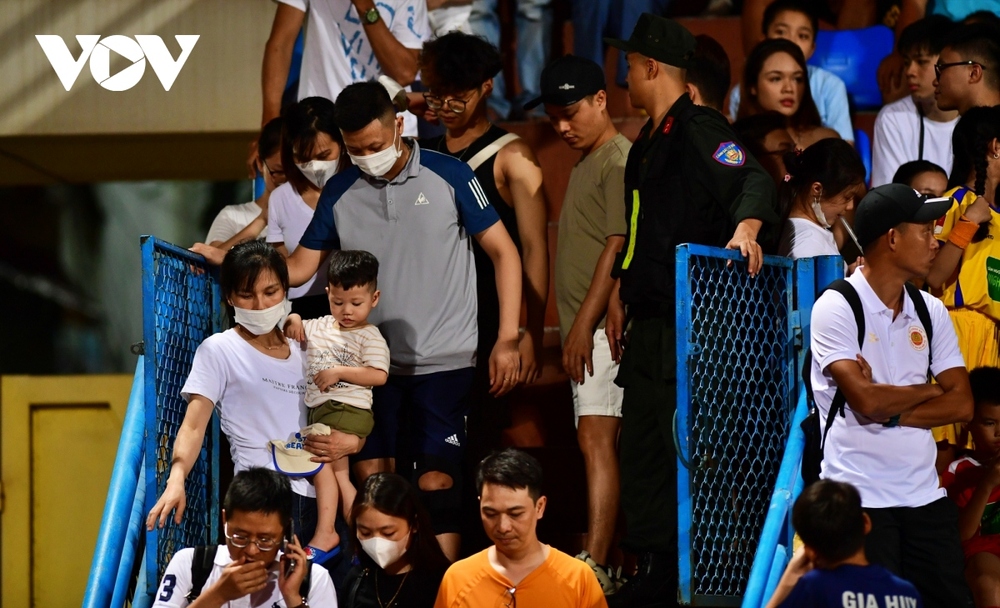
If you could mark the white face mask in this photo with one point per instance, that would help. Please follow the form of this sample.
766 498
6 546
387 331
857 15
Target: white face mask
820 216
384 551
319 171
260 322
379 163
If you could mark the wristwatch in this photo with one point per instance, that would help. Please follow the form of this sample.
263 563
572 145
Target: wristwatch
371 16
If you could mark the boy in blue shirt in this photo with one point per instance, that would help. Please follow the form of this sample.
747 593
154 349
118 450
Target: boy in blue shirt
831 570
795 21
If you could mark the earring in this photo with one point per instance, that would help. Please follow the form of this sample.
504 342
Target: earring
996 155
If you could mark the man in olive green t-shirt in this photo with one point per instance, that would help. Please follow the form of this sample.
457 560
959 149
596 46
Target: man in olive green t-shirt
591 232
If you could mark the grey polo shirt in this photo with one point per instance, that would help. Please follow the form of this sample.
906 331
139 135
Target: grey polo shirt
418 226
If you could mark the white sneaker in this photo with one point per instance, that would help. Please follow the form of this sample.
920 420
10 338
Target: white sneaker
603 576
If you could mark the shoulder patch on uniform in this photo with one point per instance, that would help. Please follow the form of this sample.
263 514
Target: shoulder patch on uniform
730 154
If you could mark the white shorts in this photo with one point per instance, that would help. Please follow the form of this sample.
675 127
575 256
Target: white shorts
598 395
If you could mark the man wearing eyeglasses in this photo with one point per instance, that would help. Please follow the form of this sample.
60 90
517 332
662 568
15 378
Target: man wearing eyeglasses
255 567
967 69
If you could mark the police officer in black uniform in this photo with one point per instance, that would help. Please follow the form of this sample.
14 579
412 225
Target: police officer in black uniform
687 180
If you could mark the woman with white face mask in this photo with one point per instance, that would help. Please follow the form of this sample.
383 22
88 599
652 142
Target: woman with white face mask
253 377
400 562
311 152
821 186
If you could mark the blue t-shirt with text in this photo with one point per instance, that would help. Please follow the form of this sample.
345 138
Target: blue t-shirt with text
850 586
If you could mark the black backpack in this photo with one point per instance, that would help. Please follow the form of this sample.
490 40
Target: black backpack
815 436
204 560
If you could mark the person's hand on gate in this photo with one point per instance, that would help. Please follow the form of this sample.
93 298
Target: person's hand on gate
745 239
213 255
173 499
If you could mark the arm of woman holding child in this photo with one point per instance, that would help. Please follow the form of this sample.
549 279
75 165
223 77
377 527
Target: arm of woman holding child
187 445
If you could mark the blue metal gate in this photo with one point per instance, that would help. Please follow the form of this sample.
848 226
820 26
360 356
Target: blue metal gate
735 377
181 306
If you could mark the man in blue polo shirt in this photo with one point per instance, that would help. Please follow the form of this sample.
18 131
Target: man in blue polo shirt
416 210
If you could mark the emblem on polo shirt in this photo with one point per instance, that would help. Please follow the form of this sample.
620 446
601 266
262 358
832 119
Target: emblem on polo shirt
730 154
422 200
917 337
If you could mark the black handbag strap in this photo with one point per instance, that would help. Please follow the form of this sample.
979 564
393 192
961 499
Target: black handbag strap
925 318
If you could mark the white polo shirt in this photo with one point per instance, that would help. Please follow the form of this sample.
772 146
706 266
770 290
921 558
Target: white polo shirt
890 467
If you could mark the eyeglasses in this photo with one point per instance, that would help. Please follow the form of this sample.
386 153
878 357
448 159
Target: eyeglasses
508 599
940 67
278 174
240 542
455 105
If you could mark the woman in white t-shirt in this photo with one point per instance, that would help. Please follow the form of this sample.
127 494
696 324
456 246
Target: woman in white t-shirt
311 148
253 377
822 184
236 223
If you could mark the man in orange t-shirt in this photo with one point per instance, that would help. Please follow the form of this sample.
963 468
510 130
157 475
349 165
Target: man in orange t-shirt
517 567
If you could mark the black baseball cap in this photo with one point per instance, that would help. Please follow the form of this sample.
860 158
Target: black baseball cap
888 206
659 38
567 80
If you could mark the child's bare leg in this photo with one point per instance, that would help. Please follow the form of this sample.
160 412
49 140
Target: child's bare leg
327 495
982 571
342 471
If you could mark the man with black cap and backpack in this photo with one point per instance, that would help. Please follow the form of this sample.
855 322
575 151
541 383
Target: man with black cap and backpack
687 180
872 350
256 567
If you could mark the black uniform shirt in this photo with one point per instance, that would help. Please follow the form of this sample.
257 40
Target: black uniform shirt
691 181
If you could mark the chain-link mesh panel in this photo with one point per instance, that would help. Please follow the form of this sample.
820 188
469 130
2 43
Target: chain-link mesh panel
180 309
740 383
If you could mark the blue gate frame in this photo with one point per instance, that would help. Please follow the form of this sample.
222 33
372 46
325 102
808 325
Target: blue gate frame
182 306
735 383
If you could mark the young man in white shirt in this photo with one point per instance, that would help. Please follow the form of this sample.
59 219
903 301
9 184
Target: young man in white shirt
915 128
881 442
256 567
345 41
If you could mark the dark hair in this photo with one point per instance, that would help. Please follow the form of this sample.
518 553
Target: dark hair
985 383
349 269
260 490
983 17
832 162
512 469
829 519
970 141
361 103
458 62
780 6
269 140
908 171
303 121
927 35
709 71
389 493
807 114
979 42
753 130
245 262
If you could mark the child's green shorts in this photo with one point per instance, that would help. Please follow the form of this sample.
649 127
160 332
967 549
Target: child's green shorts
344 418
